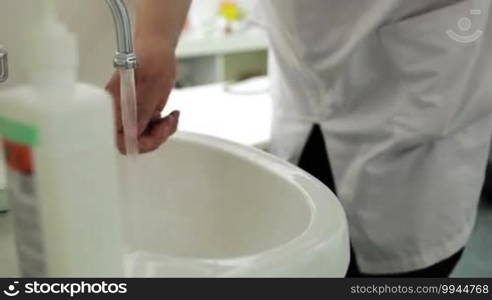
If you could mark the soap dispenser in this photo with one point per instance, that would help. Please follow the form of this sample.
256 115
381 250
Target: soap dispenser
58 139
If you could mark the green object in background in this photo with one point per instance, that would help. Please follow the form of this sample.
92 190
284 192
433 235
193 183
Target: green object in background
240 66
18 132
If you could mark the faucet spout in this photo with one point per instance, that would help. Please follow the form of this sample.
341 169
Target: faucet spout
125 57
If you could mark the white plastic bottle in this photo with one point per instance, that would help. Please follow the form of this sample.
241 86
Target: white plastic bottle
3 200
61 163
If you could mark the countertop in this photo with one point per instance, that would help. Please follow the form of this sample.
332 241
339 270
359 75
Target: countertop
241 113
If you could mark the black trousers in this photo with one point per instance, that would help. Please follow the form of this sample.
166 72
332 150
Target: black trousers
314 160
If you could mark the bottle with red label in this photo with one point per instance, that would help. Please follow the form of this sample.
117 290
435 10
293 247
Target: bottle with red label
57 137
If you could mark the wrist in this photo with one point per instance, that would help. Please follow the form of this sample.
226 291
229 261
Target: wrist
156 51
154 40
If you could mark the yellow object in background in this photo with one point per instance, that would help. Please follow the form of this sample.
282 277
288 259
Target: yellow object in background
231 11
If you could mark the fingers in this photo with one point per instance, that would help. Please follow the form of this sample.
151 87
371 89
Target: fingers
156 117
152 98
158 131
120 142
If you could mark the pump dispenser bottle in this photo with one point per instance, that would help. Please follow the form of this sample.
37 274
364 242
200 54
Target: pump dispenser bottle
58 139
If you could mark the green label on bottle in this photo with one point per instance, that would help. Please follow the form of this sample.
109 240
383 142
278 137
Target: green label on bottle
18 132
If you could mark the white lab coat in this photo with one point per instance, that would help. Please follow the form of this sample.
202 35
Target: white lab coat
405 111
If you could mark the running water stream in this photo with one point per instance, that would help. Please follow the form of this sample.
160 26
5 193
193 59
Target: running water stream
129 112
129 116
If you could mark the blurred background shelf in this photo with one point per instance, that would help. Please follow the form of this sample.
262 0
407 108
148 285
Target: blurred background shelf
212 59
251 40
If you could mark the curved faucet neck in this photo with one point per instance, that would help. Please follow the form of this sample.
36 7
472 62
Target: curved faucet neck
125 55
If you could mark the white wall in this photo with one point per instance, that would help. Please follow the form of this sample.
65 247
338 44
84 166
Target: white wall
89 19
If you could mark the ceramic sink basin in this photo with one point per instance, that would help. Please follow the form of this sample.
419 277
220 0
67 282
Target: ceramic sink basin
211 208
215 208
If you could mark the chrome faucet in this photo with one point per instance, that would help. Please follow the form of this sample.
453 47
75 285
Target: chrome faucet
4 67
125 57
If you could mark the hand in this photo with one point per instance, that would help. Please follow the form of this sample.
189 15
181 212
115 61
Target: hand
154 79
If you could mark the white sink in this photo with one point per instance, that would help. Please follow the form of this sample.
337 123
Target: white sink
213 208
208 207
